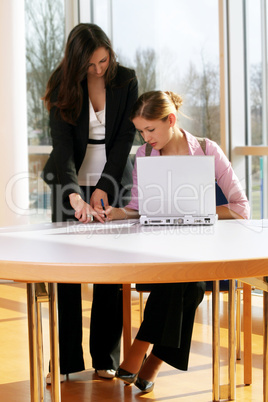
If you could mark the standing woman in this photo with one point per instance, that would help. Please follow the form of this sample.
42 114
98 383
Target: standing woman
89 98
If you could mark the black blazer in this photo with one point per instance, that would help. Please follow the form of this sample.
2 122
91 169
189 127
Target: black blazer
70 141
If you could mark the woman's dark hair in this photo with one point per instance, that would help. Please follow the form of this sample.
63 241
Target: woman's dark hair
82 42
156 105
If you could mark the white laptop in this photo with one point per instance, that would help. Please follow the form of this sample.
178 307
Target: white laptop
176 190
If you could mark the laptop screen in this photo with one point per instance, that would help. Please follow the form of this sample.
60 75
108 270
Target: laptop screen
178 185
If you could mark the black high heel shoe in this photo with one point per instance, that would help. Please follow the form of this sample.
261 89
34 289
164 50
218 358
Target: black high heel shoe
144 385
126 376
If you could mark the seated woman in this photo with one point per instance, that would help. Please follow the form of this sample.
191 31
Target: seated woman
170 308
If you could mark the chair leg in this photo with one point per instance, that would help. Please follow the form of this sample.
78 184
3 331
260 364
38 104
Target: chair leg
238 321
127 317
231 357
247 318
40 352
54 343
141 307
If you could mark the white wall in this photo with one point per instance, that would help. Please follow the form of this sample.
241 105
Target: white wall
14 192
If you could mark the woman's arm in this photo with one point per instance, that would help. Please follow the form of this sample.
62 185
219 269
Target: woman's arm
121 213
63 153
131 210
238 205
227 213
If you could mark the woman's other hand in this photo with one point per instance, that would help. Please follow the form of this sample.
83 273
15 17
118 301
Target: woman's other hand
98 200
96 197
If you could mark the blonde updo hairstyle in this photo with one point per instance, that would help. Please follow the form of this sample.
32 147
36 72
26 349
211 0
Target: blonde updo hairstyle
156 105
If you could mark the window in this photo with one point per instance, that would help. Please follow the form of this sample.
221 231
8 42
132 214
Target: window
244 61
44 49
172 45
175 51
256 134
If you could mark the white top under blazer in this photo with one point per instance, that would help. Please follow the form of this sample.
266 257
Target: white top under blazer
95 157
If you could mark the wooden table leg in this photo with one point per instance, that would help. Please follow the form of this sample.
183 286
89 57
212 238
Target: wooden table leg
215 342
231 354
127 317
247 320
32 334
265 343
41 296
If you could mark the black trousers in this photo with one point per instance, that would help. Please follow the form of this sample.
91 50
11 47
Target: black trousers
106 326
106 315
169 319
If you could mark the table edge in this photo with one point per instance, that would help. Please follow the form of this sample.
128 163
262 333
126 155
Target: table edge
155 272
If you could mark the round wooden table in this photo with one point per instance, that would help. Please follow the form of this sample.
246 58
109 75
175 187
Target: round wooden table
125 252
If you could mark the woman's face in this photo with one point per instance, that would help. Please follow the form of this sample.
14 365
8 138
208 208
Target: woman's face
99 62
156 132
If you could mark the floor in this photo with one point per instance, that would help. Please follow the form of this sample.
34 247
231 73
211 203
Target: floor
171 385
